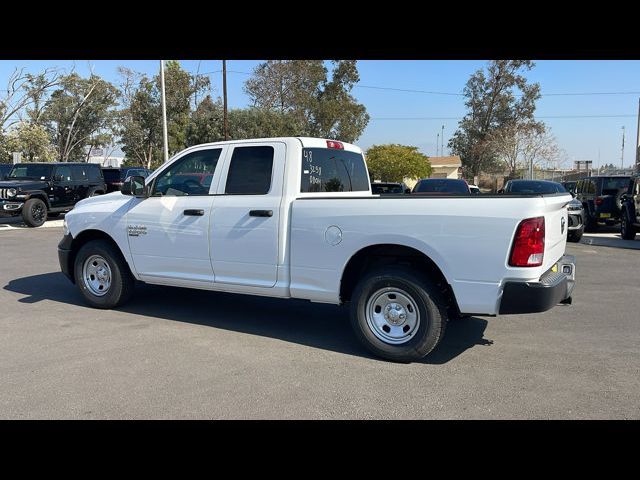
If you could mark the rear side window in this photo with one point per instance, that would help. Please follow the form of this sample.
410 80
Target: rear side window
79 173
611 186
95 174
250 171
332 170
444 186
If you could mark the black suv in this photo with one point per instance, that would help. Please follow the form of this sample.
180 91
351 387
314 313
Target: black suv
601 198
630 221
35 190
115 177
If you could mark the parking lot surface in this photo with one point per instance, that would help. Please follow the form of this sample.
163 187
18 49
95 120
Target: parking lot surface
176 353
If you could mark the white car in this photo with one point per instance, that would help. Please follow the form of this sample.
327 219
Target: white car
295 218
474 189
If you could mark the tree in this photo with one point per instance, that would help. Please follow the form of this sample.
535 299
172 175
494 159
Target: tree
393 163
206 123
493 105
308 102
77 112
520 147
141 118
25 90
31 140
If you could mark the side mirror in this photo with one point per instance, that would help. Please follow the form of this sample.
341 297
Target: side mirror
134 186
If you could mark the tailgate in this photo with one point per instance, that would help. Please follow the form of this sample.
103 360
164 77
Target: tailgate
556 224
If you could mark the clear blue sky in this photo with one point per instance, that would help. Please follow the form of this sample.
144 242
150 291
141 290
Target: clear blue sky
581 138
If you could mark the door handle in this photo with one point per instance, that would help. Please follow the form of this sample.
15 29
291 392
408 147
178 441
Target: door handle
261 213
194 212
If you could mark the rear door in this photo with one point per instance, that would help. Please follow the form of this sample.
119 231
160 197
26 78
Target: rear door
80 176
246 215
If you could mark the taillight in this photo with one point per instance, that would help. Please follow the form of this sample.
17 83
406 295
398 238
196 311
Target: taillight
528 246
599 200
335 144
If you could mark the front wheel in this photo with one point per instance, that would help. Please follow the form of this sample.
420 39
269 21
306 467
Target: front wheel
102 275
397 314
34 212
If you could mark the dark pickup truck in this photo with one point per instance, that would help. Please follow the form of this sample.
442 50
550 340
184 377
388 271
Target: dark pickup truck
38 190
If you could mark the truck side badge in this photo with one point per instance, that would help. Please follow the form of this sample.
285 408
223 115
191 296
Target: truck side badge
136 230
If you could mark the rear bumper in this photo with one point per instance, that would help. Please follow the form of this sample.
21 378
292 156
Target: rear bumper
64 256
542 295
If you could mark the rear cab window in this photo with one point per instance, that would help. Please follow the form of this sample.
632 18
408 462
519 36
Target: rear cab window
333 170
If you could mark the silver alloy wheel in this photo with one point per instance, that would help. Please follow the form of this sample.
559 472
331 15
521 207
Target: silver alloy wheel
96 275
392 315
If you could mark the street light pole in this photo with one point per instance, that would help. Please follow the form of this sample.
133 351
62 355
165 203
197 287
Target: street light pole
224 89
164 114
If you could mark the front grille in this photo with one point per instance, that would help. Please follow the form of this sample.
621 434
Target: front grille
4 193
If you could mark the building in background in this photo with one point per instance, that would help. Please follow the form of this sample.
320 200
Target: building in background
446 167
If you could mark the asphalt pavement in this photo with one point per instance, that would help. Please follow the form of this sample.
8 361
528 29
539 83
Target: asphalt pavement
177 353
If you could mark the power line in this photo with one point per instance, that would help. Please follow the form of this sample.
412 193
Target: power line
462 95
540 117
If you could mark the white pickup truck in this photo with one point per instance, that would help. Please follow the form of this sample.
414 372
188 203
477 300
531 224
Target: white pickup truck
295 218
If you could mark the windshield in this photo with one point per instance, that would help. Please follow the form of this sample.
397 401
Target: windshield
611 186
442 186
535 187
32 171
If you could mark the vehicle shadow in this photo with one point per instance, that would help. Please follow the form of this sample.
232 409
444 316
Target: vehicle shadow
609 236
315 325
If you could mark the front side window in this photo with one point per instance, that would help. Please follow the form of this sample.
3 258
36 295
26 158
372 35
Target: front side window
250 171
333 170
79 173
190 175
31 172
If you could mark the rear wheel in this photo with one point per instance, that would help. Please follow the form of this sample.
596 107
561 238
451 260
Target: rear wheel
102 275
34 212
627 230
397 314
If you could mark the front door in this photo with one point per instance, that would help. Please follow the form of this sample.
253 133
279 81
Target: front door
246 215
169 231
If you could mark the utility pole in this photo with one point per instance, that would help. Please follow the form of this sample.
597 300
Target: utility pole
622 152
442 141
437 145
224 90
164 113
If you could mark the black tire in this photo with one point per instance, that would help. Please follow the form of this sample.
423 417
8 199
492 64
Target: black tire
575 235
34 212
590 223
627 230
121 281
430 303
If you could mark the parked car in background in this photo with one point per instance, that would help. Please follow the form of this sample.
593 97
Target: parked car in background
575 212
569 186
474 189
601 198
630 216
380 188
38 190
5 168
441 186
115 177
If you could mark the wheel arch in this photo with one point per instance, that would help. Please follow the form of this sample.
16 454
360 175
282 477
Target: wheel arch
40 196
85 237
392 254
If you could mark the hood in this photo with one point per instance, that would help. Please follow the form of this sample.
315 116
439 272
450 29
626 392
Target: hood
112 197
24 184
